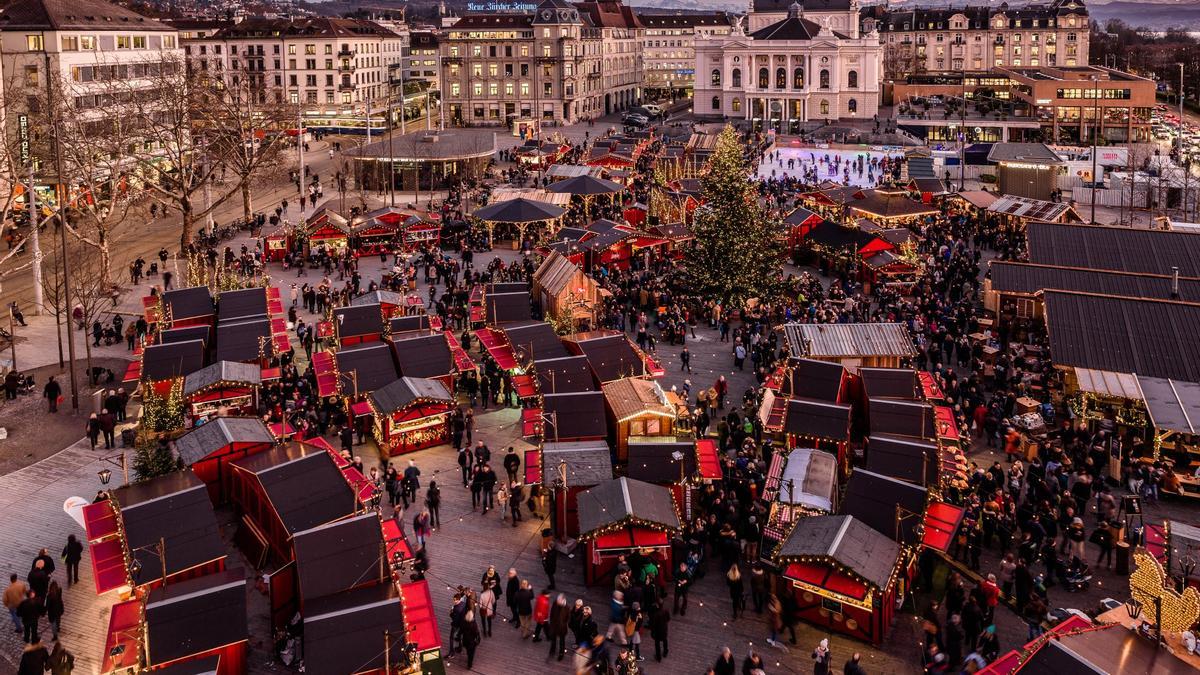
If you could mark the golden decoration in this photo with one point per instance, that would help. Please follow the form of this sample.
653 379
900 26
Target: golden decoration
1147 585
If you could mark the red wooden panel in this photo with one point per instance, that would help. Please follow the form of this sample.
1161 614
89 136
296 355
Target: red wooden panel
947 426
524 386
707 462
108 564
533 466
941 522
121 641
99 520
396 542
133 372
420 618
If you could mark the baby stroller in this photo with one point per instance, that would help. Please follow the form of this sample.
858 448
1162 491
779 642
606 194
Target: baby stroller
1078 576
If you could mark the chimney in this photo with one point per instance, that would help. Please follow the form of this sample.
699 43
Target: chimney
1174 282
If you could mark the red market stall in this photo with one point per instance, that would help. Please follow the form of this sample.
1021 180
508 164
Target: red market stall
809 423
845 576
289 489
420 234
356 324
192 306
222 389
209 448
165 364
626 517
375 235
579 465
172 512
277 244
411 413
327 230
800 484
122 641
425 356
497 347
612 355
198 619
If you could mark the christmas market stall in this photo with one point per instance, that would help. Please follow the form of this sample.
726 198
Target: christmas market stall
248 340
198 619
810 378
901 417
276 245
810 423
799 484
927 189
565 293
587 188
1021 211
637 407
376 232
406 326
665 460
893 507
799 223
391 304
574 416
612 355
209 448
163 365
506 302
242 304
356 324
854 345
904 457
363 369
167 528
562 375
533 341
291 488
845 576
1173 409
425 356
676 235
326 230
411 413
182 307
626 517
568 468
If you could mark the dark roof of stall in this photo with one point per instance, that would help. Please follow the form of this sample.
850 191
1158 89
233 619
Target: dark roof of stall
222 371
423 355
338 556
244 302
171 360
1123 249
650 458
902 417
304 485
188 303
358 320
876 499
535 340
912 459
399 394
372 363
196 616
575 415
1029 279
810 378
219 433
175 508
565 375
344 633
822 419
502 307
846 540
623 499
587 462
248 340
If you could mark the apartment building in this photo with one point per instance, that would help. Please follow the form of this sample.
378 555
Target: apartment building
978 38
97 52
331 67
559 64
669 49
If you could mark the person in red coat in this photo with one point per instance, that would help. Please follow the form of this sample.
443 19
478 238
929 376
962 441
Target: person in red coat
541 615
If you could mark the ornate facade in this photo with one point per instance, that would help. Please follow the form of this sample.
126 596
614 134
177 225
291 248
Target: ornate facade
807 66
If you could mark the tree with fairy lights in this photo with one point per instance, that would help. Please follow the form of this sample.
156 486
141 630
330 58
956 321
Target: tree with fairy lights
735 255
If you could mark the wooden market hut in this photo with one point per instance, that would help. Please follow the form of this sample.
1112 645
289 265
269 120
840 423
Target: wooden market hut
356 324
580 465
564 290
172 510
800 483
220 389
564 375
809 423
845 576
391 303
898 383
425 356
327 229
624 517
799 223
907 458
914 418
411 413
248 340
364 368
198 619
637 408
1120 249
209 448
853 345
672 460
242 303
810 378
889 206
502 307
163 364
575 416
406 326
291 488
534 341
192 306
1024 210
612 355
891 506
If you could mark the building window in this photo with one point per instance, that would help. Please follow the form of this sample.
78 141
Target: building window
852 105
852 79
737 78
716 103
737 105
824 79
139 42
123 42
780 78
70 43
716 77
455 89
87 42
798 78
764 78
824 107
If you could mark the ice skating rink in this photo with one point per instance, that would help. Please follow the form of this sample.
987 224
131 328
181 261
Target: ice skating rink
848 167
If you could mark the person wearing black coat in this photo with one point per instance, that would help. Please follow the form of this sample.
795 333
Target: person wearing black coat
35 660
47 562
72 553
39 578
556 631
511 586
659 618
725 665
29 612
511 463
550 564
470 637
853 667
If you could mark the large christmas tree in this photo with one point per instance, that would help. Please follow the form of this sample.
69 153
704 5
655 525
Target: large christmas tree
735 255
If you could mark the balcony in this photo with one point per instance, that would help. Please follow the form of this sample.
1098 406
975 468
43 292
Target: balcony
348 67
346 53
345 86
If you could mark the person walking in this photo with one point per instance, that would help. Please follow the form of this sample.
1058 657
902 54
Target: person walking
35 660
774 619
541 616
470 637
524 608
54 609
92 429
683 584
62 662
737 589
421 526
511 463
30 611
487 609
433 502
822 657
660 617
616 619
52 392
14 594
556 629
511 586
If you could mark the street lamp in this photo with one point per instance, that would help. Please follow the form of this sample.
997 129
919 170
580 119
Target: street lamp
117 460
1134 608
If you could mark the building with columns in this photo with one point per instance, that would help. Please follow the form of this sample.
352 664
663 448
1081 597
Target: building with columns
804 67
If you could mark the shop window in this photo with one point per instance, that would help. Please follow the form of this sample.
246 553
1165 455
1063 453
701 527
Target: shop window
852 104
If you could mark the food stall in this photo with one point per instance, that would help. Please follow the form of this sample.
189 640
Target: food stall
198 619
845 576
566 469
799 484
626 517
411 413
225 388
326 230
356 324
637 408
